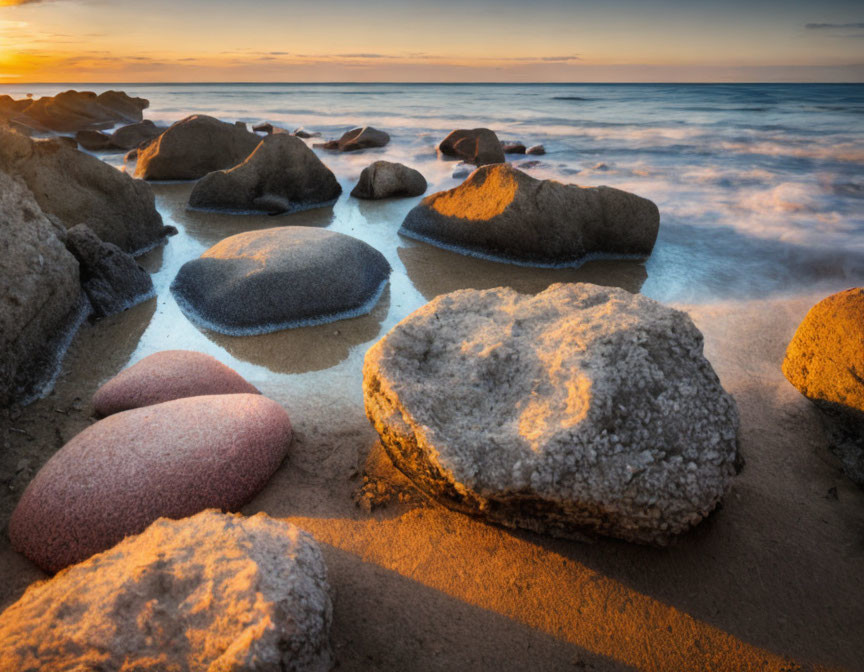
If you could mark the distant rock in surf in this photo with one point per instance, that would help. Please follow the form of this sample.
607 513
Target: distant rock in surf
193 147
384 179
303 133
503 213
357 139
165 376
513 147
134 135
479 146
281 175
581 409
536 150
272 279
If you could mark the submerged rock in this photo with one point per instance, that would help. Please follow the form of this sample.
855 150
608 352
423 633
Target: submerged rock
583 408
110 277
281 175
479 146
211 592
356 139
39 290
303 133
193 147
825 362
165 376
536 150
384 179
169 460
505 214
513 147
262 281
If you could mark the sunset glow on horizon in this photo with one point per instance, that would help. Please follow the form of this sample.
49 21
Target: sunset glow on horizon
549 41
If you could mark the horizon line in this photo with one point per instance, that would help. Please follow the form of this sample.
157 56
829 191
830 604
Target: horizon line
430 83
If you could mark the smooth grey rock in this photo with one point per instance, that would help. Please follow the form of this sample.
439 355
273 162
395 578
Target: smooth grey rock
210 592
193 147
384 179
272 279
478 146
281 175
582 408
110 277
502 213
357 139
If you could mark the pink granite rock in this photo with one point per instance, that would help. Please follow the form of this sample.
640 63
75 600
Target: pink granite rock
170 460
168 375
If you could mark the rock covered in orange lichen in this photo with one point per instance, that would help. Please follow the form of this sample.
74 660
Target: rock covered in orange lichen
168 460
210 592
581 408
503 213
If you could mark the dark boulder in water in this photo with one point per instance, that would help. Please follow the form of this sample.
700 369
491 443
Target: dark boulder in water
513 148
536 150
384 179
262 281
134 135
357 139
94 141
478 146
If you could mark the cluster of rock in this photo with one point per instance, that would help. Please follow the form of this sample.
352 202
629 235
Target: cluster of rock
519 148
72 111
124 138
357 139
478 146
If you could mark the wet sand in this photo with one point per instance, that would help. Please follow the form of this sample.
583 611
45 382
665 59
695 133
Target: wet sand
773 580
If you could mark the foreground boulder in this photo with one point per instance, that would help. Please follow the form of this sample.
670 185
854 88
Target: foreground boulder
581 408
825 362
211 592
110 277
479 146
272 279
384 179
282 175
165 376
193 147
356 139
39 290
78 188
169 460
503 213
72 111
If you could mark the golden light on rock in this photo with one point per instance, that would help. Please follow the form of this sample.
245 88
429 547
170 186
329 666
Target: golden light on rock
477 201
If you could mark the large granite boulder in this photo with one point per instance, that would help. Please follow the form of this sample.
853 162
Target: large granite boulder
39 289
357 139
479 146
825 362
169 460
583 408
384 179
210 592
134 135
262 281
165 376
78 188
502 213
193 147
281 175
72 111
110 277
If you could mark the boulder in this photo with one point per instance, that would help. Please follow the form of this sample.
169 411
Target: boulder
94 141
263 128
583 408
134 135
165 376
168 460
513 147
303 133
39 290
210 592
110 277
825 362
356 139
72 111
384 179
272 279
123 107
281 175
502 213
79 188
536 150
478 146
193 147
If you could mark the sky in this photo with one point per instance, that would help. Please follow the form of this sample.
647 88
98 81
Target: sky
442 41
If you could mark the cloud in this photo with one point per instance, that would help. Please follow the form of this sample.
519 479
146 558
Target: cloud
834 26
13 3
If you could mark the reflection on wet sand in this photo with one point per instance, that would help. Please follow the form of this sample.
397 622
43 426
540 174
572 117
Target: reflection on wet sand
424 264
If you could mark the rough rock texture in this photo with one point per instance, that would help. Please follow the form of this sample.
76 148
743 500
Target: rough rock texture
193 147
169 460
536 150
503 213
110 277
94 141
273 279
165 376
133 135
72 111
78 188
356 139
211 592
39 288
825 362
583 407
281 175
384 179
479 146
